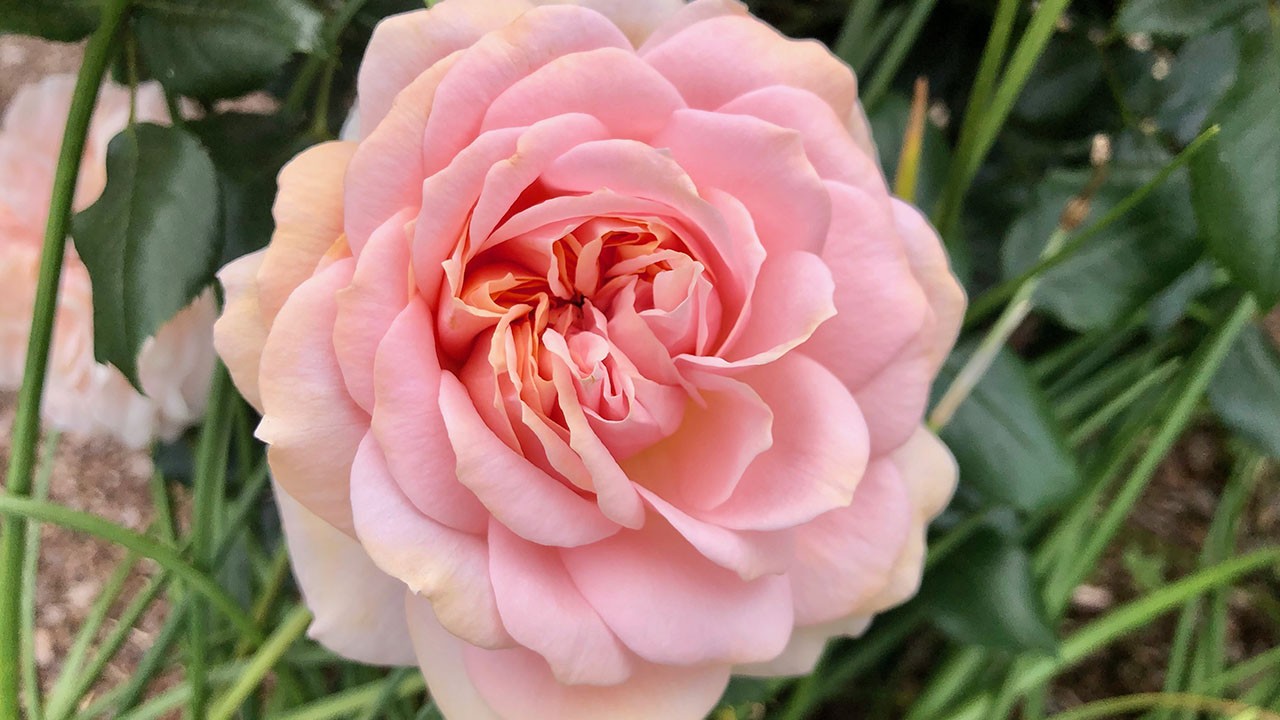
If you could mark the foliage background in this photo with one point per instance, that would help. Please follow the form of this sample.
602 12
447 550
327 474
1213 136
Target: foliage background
1116 528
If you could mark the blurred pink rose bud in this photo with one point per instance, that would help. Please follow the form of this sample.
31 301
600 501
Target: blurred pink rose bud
593 371
82 395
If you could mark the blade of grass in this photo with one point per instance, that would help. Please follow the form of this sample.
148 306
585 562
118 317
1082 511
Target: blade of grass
151 659
208 488
59 700
343 704
1219 544
290 629
31 562
1180 701
1111 409
855 34
26 425
992 60
1186 393
889 65
1122 621
996 110
388 695
166 556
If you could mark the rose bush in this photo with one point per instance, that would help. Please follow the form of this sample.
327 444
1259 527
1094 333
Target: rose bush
81 394
594 370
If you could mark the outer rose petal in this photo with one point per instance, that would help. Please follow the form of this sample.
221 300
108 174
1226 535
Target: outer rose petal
637 20
719 59
404 46
310 422
516 684
240 334
357 607
308 214
805 649
692 13
933 270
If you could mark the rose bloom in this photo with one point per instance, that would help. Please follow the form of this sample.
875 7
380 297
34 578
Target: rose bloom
593 372
81 394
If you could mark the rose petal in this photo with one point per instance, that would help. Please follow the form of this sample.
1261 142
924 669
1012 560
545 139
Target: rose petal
637 20
835 154
760 164
819 453
609 84
734 420
498 61
410 429
846 556
546 613
357 607
404 46
529 502
716 60
672 606
880 305
370 303
470 683
748 553
308 215
449 568
805 649
239 333
310 422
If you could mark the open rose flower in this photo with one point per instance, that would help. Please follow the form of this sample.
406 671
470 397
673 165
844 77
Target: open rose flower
81 394
593 372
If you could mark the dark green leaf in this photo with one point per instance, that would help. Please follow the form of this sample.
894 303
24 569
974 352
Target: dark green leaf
63 20
1246 390
1008 447
223 48
1064 80
248 151
1171 305
1236 180
1178 17
1201 73
1122 267
985 594
150 242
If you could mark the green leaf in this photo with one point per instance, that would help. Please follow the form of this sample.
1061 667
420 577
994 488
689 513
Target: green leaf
1246 390
1236 181
1178 17
63 20
985 594
150 242
1063 82
1120 269
1006 442
221 48
248 151
1201 73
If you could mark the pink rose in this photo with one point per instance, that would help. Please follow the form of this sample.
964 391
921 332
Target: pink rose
82 395
594 371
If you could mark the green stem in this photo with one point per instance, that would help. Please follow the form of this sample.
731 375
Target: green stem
26 426
290 629
1109 411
